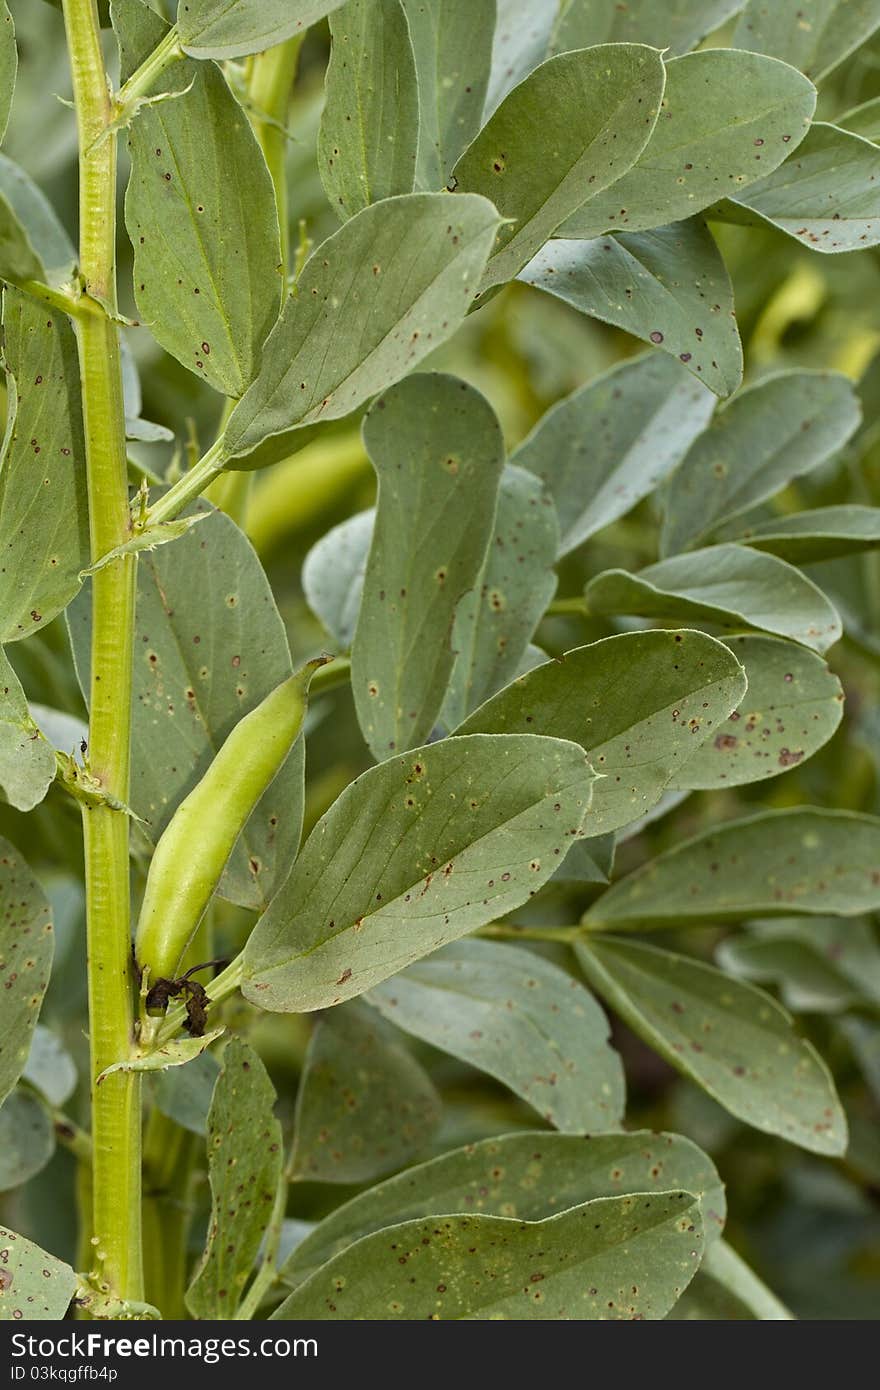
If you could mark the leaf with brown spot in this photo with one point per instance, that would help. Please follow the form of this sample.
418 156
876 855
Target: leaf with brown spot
34 1286
26 943
27 760
244 1166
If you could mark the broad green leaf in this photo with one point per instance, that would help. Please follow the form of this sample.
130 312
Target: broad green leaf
369 136
728 119
19 261
438 450
820 965
44 529
733 1040
234 28
452 44
728 585
416 853
34 1286
50 1069
588 861
374 299
209 646
520 1019
496 620
184 1093
821 534
25 961
39 222
364 1105
27 1138
638 704
800 861
793 705
8 65
200 212
27 760
726 1288
614 1258
244 1166
771 433
333 575
676 25
521 42
669 287
573 127
523 1176
862 120
605 447
178 1052
813 35
825 196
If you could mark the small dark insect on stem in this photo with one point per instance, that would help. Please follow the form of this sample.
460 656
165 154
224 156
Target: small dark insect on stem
197 998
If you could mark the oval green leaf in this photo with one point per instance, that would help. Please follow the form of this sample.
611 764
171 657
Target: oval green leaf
669 287
234 28
804 862
728 585
452 44
672 690
733 1040
27 760
25 961
824 533
34 1286
520 1019
674 25
27 1139
414 854
813 37
50 1069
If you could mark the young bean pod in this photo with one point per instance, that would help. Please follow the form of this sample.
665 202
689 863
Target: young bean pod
194 847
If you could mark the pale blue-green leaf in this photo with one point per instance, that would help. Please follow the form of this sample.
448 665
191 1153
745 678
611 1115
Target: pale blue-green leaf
800 861
333 575
34 1286
25 961
524 1176
44 529
175 1053
823 965
824 533
521 42
771 433
416 853
520 1019
605 447
234 28
50 1069
733 1040
728 119
27 761
210 645
793 706
493 1267
65 732
727 585
496 620
452 43
669 287
374 299
200 212
674 25
813 35
364 1106
639 704
8 65
368 139
862 120
826 196
27 1139
244 1166
29 206
573 127
438 450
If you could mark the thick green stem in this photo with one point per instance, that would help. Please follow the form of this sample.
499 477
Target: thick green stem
270 85
116 1105
164 55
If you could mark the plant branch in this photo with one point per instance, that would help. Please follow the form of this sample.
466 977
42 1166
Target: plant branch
189 487
116 1118
166 53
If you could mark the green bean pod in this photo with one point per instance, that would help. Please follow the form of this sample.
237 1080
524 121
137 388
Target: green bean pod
196 844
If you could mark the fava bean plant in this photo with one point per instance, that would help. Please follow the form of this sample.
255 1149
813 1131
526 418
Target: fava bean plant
440 664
